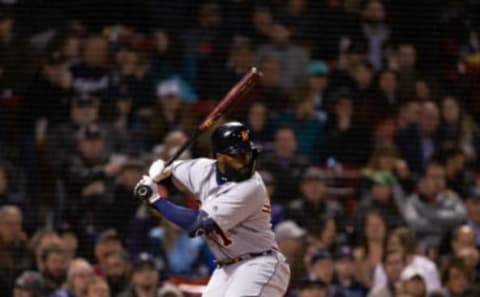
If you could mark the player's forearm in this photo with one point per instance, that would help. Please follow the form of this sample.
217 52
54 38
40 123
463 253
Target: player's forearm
182 216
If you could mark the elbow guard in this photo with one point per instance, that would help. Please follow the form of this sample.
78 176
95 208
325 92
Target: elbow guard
205 225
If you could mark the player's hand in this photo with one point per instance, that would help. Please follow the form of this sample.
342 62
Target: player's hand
147 190
158 171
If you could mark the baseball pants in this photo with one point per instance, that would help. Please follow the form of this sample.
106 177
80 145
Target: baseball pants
261 276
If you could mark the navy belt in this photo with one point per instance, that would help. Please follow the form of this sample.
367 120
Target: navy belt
241 258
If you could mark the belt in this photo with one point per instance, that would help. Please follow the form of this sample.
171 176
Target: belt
241 258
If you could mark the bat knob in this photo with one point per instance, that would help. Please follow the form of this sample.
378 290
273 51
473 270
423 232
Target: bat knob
143 192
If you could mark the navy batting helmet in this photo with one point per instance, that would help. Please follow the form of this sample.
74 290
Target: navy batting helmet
231 138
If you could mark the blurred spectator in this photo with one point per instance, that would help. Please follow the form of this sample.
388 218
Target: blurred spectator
168 58
79 274
54 267
262 23
313 288
458 127
318 83
403 239
29 284
169 290
10 193
116 270
433 209
98 287
14 257
413 282
342 128
285 164
291 241
69 241
457 277
376 31
307 124
108 242
312 208
394 263
458 178
144 278
363 77
472 206
405 64
42 239
321 267
91 76
343 76
418 142
258 122
380 197
368 254
301 17
293 59
383 102
345 273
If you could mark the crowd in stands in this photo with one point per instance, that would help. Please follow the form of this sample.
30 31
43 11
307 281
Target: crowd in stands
367 116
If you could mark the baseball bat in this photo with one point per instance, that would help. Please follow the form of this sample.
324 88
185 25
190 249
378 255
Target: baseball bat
238 91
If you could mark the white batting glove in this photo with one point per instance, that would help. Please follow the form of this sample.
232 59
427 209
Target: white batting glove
147 190
158 171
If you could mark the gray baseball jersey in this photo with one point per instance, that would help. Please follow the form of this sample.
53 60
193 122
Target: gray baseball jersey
241 210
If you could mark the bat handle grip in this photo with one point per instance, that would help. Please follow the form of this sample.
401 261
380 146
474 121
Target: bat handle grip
143 192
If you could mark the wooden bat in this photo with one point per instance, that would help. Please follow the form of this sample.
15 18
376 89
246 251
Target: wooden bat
238 91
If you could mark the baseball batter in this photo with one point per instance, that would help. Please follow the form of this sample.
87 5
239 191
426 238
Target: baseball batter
234 215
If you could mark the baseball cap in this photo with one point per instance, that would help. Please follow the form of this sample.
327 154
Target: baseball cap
168 88
289 230
314 173
384 178
31 281
91 132
344 252
321 254
318 68
109 234
411 272
142 261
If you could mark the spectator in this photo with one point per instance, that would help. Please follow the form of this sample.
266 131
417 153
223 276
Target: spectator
343 126
380 197
363 78
262 22
345 273
382 104
291 241
42 239
318 83
458 178
13 249
463 238
108 242
293 59
144 279
29 284
79 274
343 76
54 267
405 66
417 143
413 282
258 122
313 288
98 287
313 207
371 249
321 267
91 76
403 239
307 124
69 241
472 206
456 276
433 209
10 194
394 263
116 270
285 164
458 127
376 31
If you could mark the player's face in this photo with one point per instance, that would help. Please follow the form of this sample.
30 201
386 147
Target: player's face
239 162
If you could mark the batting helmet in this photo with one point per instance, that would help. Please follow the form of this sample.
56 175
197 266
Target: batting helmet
232 138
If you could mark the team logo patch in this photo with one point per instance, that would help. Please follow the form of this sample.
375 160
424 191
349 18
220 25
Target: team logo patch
244 135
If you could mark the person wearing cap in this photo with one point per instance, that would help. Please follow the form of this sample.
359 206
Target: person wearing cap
321 267
144 280
318 82
472 206
291 241
310 209
345 273
413 282
29 284
380 197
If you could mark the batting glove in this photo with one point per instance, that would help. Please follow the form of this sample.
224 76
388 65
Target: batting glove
158 171
147 190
